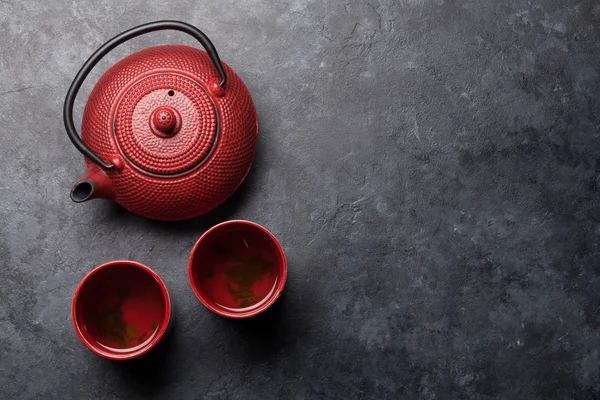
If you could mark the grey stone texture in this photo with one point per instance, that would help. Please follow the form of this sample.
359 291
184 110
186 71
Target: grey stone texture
431 168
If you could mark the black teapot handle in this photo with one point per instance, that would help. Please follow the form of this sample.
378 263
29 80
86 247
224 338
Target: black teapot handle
107 47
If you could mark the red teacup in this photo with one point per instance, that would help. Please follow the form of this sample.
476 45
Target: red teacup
121 310
237 269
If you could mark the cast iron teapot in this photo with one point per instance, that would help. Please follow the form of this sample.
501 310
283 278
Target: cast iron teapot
168 132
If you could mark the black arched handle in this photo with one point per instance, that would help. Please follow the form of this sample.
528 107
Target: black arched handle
107 47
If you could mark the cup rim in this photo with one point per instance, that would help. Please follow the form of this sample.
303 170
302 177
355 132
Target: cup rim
157 337
250 313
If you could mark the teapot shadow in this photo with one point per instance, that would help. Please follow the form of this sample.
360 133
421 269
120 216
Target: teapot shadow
221 213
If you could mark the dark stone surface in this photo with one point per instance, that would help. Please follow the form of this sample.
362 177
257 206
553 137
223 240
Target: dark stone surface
431 168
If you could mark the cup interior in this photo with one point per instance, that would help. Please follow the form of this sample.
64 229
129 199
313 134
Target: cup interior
121 310
237 269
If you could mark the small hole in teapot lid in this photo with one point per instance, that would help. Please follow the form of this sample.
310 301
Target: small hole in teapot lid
171 93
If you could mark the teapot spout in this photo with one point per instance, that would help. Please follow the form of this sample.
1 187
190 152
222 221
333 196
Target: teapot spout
94 184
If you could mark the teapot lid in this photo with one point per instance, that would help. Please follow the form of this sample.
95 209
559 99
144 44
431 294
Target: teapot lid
165 124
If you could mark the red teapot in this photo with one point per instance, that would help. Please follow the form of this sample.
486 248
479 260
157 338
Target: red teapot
168 132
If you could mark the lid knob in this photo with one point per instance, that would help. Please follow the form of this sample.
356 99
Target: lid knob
164 119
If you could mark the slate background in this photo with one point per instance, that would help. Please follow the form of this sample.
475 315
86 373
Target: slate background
431 168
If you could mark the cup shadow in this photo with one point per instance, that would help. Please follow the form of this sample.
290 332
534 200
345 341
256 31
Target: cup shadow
267 332
148 372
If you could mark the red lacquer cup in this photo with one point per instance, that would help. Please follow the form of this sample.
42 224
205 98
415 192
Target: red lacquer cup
237 269
121 310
